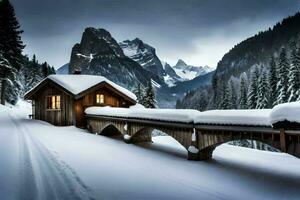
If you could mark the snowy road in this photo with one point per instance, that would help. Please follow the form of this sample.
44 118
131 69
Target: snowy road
41 161
34 172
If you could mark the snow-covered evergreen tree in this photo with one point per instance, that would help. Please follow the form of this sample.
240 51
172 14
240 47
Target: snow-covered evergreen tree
32 72
149 99
263 91
35 74
226 98
5 72
11 46
233 95
140 94
253 89
47 70
273 80
243 94
294 74
282 85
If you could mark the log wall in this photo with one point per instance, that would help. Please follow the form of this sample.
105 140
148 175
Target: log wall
62 117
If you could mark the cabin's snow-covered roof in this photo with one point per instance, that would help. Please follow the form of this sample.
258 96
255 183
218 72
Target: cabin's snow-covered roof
79 83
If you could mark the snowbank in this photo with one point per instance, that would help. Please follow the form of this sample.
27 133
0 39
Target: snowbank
234 117
174 115
79 83
285 112
36 163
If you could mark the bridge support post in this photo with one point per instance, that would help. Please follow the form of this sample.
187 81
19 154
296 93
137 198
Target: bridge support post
133 134
282 141
193 151
205 154
127 136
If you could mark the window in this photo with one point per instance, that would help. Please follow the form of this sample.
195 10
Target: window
99 98
53 102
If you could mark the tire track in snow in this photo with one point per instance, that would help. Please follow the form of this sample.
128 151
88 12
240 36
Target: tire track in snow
44 175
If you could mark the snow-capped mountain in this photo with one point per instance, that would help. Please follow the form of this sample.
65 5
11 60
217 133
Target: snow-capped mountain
63 69
98 53
128 63
189 72
170 78
143 54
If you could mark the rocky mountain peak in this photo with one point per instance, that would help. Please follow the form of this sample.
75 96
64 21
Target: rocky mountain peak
98 53
99 41
180 64
143 54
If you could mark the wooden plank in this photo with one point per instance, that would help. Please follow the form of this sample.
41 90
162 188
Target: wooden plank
268 130
282 141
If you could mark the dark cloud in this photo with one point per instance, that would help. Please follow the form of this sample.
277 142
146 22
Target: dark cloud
177 28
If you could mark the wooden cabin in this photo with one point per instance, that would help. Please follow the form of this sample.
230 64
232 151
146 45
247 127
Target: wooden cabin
62 99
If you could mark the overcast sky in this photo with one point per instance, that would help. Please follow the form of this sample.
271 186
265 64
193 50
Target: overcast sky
197 31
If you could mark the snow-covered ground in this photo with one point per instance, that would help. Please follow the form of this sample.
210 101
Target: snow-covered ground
41 161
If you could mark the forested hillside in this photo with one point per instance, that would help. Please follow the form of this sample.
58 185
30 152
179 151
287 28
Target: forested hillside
259 72
17 73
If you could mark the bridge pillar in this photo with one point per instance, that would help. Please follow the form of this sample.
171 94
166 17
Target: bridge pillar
206 153
127 135
193 151
134 134
282 141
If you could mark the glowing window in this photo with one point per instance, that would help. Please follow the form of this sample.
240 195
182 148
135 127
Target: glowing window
99 98
53 102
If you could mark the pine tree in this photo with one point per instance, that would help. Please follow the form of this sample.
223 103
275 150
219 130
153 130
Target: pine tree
52 71
35 72
140 94
10 40
226 98
216 92
273 80
243 94
149 99
263 94
11 46
5 70
233 95
253 90
282 85
46 70
294 74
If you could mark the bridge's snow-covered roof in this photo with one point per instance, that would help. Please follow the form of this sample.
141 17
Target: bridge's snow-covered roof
171 115
255 117
218 117
76 84
235 117
286 112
